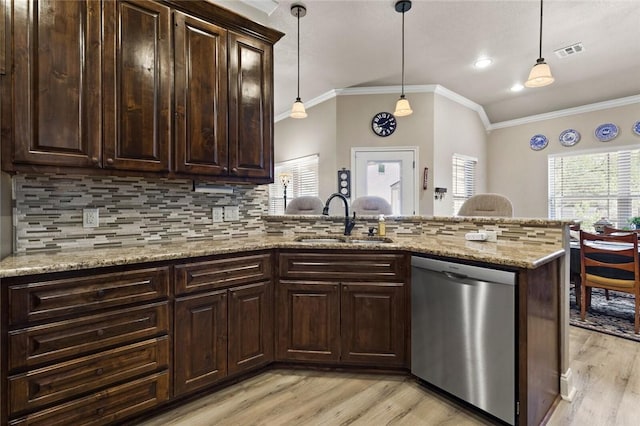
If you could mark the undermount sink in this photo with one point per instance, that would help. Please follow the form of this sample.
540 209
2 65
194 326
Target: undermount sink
312 239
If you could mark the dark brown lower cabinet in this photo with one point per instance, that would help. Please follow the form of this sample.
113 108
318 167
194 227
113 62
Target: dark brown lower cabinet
200 340
308 321
342 307
250 326
372 325
220 333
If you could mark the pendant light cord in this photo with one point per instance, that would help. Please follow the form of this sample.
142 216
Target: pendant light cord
298 15
540 55
402 94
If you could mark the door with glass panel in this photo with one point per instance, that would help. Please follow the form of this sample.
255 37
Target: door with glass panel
388 173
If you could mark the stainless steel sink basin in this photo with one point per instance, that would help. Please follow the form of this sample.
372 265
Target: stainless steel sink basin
314 239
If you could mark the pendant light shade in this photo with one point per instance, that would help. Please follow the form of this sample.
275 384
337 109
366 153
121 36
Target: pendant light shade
298 111
402 106
540 74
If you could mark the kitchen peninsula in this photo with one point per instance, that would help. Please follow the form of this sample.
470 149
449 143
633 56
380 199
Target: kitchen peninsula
243 301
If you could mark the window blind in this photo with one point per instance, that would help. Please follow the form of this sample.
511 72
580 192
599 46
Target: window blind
591 186
304 181
464 179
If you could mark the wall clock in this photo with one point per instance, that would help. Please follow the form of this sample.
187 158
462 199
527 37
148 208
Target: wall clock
383 124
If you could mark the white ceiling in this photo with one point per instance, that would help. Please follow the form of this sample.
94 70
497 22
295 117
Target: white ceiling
357 43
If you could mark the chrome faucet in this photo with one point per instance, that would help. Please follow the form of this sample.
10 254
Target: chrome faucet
349 223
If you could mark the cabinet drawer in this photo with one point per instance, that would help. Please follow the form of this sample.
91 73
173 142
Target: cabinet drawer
40 300
48 385
54 341
347 266
212 274
108 406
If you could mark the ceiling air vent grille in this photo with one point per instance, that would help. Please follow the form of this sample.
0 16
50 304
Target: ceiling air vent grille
570 50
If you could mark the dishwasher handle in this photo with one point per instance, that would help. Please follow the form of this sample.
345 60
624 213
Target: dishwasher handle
455 275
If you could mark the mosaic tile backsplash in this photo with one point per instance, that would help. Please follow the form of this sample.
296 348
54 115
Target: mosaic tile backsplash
132 211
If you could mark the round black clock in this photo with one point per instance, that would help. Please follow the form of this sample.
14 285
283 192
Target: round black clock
383 124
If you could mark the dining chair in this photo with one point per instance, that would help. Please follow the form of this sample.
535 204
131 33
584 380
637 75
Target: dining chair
611 230
611 263
487 205
305 205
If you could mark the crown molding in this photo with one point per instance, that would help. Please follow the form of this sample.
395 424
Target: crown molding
266 6
598 106
455 97
386 90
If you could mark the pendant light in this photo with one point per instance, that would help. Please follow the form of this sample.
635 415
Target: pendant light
298 111
402 106
540 74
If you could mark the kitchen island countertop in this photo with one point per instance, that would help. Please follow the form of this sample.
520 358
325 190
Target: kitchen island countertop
505 253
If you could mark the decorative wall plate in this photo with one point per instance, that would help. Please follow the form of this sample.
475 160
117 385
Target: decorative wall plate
636 128
606 132
538 142
569 137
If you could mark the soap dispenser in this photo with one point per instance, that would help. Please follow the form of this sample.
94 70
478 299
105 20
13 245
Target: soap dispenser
381 226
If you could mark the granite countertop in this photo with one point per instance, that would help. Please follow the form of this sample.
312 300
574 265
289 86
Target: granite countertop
506 253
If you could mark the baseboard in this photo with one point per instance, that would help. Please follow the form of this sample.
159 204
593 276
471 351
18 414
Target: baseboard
567 390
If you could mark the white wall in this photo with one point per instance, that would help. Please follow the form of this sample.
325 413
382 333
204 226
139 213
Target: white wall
438 126
520 173
355 113
316 134
457 130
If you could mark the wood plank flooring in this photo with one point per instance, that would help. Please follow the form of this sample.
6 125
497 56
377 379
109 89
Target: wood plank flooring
606 369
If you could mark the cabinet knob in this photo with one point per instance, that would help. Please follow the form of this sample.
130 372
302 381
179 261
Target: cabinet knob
234 170
95 160
100 332
99 372
225 169
100 293
100 411
109 161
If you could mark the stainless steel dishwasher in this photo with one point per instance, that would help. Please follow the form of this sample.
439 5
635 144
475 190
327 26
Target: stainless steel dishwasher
463 333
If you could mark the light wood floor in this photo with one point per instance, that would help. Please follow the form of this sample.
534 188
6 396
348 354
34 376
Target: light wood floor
606 369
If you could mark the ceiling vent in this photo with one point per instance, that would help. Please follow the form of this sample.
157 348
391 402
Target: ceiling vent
574 49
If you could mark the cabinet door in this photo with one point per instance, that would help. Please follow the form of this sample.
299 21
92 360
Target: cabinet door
373 323
200 96
137 85
250 108
56 83
250 326
308 321
200 341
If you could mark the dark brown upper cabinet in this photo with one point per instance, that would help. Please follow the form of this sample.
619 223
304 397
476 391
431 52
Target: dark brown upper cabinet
104 86
137 85
250 108
201 96
54 115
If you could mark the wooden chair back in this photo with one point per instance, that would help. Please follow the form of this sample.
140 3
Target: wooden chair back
613 266
610 230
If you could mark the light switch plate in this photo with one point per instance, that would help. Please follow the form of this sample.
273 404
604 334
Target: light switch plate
231 213
216 214
90 218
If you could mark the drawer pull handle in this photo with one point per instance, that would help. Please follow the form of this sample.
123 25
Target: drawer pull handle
100 332
100 293
99 371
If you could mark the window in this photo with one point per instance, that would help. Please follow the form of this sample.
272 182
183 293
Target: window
303 176
464 180
590 186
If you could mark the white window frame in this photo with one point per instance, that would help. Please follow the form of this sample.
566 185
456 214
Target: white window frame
304 175
463 179
615 202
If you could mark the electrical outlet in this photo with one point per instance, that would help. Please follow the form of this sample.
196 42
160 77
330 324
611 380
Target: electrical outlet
231 213
90 218
216 214
492 236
